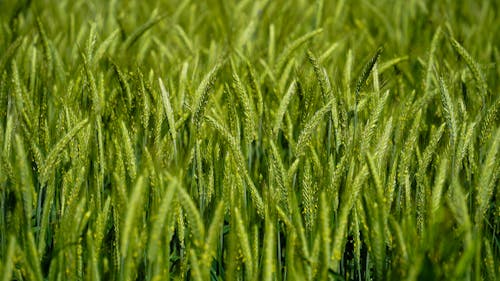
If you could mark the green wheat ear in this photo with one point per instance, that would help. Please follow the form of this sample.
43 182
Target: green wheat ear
236 152
47 52
196 224
327 94
134 37
488 121
487 179
246 102
244 244
133 209
490 260
195 266
278 171
158 227
214 230
255 88
168 109
324 219
55 153
25 180
474 68
373 121
130 150
285 101
449 112
431 60
311 125
367 69
202 95
287 52
318 71
437 189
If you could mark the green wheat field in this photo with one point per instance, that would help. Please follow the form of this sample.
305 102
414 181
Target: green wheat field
249 140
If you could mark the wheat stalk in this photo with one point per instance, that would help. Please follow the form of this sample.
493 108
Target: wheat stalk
269 268
8 266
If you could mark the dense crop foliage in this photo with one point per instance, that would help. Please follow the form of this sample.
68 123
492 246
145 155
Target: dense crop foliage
249 140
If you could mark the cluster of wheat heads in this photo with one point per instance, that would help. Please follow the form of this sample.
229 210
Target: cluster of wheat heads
249 140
